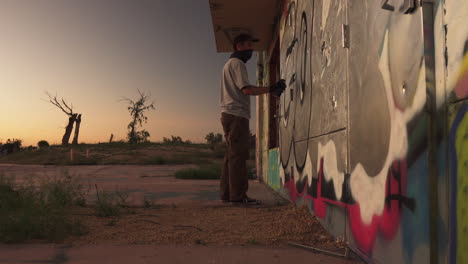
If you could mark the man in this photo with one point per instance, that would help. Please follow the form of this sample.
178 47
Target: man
235 113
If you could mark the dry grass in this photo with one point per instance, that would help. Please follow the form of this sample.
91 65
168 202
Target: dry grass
116 153
39 210
219 226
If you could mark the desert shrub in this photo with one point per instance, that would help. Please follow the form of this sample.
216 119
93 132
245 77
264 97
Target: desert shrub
43 144
111 203
156 160
206 172
31 211
106 205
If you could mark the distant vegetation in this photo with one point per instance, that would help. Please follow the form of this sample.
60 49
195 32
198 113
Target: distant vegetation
214 140
115 153
207 172
175 140
137 109
43 144
10 146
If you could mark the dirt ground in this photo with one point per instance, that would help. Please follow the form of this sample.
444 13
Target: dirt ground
214 226
184 214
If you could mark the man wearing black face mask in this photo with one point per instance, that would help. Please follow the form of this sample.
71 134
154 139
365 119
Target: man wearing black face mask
235 113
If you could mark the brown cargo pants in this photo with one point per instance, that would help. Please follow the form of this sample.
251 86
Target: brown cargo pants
234 182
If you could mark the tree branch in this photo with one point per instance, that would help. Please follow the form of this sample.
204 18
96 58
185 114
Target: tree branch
60 105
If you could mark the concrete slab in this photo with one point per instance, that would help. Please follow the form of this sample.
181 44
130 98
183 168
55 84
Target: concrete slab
153 183
157 184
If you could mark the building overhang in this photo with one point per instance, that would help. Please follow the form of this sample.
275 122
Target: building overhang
232 17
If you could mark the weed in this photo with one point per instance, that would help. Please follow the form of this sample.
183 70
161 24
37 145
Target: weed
38 211
156 161
205 172
106 205
109 204
150 204
66 190
147 203
252 242
121 196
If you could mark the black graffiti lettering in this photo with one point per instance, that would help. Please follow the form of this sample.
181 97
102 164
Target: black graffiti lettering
395 173
408 6
347 196
387 6
291 47
305 44
292 80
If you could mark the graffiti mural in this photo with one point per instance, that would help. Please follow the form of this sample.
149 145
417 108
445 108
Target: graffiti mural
458 151
274 180
353 128
314 65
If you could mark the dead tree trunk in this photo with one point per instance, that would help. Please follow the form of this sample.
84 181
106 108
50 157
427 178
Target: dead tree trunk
68 129
77 130
72 118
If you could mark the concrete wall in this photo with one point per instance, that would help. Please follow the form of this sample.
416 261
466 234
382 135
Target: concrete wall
373 124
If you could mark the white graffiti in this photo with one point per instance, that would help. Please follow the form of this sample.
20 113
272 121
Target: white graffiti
327 153
369 190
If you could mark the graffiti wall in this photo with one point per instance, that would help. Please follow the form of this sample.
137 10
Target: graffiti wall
375 89
458 158
457 92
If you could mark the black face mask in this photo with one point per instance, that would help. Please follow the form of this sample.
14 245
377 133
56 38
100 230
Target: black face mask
243 55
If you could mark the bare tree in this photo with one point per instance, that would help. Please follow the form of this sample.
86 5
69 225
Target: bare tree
72 118
77 130
137 109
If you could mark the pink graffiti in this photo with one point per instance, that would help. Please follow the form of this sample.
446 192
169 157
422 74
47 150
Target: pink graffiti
364 234
461 89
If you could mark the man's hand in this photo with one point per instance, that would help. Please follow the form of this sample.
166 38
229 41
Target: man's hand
278 88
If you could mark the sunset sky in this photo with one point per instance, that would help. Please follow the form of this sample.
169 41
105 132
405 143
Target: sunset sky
94 52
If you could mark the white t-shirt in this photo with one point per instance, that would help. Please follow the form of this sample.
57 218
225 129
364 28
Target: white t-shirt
235 77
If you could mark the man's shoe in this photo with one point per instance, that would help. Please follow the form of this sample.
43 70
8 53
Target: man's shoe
247 201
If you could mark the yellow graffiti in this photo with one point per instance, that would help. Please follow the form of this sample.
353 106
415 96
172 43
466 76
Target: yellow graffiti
461 143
